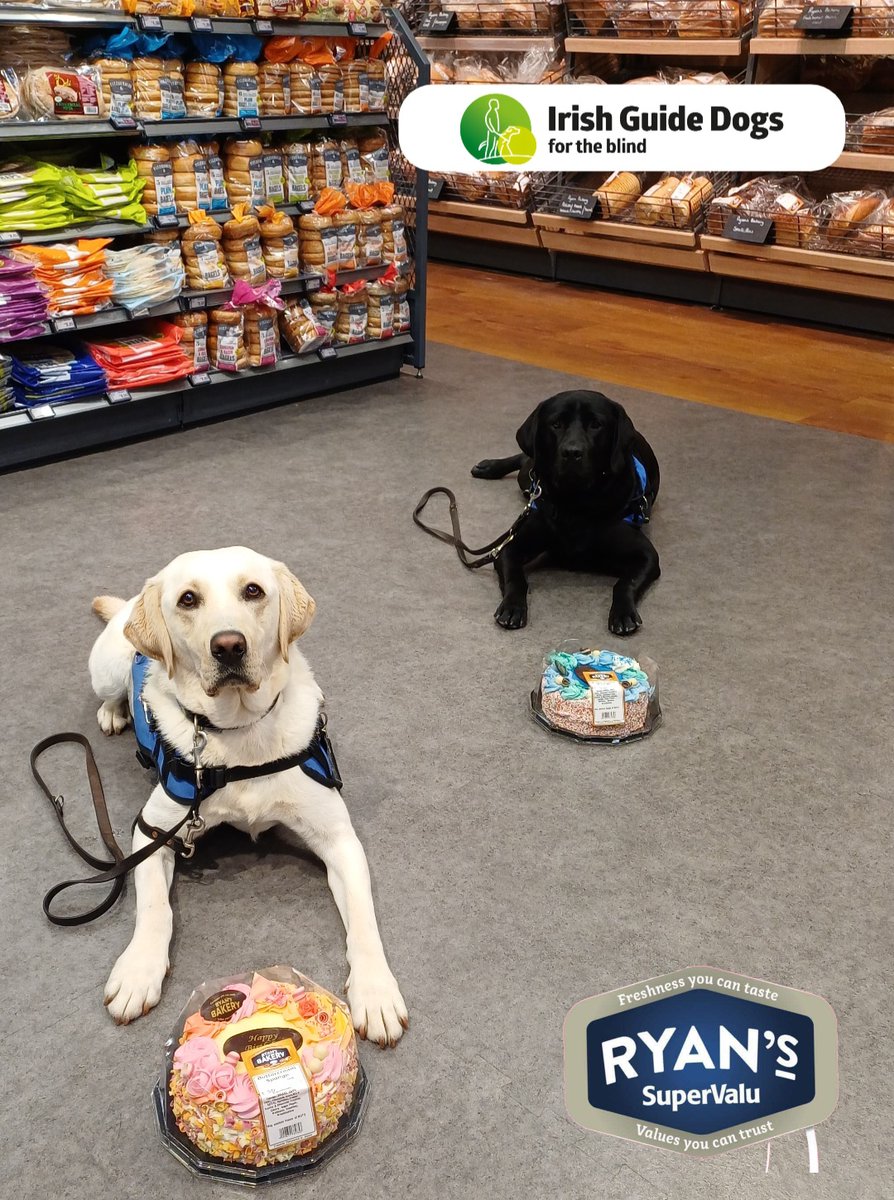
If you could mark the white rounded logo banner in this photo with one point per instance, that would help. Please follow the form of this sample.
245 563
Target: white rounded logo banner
586 127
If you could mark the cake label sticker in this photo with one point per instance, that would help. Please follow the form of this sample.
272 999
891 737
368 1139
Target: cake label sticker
608 699
701 1061
256 1039
222 1005
287 1107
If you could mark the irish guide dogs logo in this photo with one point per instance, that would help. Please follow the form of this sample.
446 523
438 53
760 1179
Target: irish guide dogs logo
496 130
701 1061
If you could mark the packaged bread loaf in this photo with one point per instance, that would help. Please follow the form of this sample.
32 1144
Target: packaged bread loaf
874 236
876 132
261 332
375 70
217 183
356 86
711 18
778 18
244 171
279 243
345 223
380 310
332 88
351 165
642 18
300 328
325 309
305 89
688 200
194 337
326 167
159 88
10 94
317 243
617 193
374 155
226 339
153 163
395 248
203 90
242 246
55 93
296 171
192 188
653 207
846 210
587 16
202 253
117 88
370 239
351 321
275 89
401 289
241 95
793 220
750 198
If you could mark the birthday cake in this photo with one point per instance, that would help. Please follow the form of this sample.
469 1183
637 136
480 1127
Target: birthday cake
597 694
264 1070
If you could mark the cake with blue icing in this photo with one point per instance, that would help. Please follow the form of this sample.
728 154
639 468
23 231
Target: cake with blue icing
596 694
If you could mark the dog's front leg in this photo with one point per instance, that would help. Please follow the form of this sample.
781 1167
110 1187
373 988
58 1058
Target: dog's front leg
526 545
637 564
377 1007
134 986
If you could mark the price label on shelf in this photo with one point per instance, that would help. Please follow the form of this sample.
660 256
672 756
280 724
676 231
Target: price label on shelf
63 324
577 204
262 26
357 28
122 124
149 21
740 228
825 18
200 378
166 220
135 313
306 206
41 412
190 303
250 123
435 187
438 22
10 238
327 352
201 25
338 118
118 396
313 285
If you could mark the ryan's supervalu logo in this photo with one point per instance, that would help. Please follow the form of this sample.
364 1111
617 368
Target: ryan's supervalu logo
701 1061
496 130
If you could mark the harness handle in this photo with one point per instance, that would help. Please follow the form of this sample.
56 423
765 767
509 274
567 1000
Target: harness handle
484 554
112 870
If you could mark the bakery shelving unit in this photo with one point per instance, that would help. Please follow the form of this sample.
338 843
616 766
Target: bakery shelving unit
29 436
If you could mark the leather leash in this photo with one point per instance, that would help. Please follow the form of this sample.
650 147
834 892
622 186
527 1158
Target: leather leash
484 554
112 870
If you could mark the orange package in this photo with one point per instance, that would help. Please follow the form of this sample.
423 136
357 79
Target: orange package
72 275
365 195
145 359
330 201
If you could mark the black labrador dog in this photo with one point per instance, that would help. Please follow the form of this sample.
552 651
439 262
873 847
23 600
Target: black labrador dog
598 479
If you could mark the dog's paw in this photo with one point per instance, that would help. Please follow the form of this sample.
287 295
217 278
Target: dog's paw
488 468
134 986
377 1007
511 613
624 621
113 717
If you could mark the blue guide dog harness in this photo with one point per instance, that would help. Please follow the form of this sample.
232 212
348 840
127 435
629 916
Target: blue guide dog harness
638 511
188 783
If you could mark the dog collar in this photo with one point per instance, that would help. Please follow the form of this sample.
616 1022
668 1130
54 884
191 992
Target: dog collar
198 719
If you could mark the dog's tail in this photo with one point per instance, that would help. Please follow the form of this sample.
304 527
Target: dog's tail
107 606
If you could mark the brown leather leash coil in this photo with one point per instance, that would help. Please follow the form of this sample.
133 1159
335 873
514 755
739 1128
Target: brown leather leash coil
484 554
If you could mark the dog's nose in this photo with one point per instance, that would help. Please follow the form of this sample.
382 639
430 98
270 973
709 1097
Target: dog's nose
228 647
573 454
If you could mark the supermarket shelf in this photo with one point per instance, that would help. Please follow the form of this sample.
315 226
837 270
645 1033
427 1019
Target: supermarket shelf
680 47
821 45
484 229
824 263
185 127
634 251
857 161
80 18
612 230
93 423
485 42
481 212
95 229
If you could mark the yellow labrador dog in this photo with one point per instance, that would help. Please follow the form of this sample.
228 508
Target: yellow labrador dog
218 627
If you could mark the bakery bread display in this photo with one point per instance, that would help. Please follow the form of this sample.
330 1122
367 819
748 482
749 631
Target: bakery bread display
587 16
617 193
241 244
159 88
713 18
301 329
244 170
317 243
793 218
352 316
279 1021
203 89
193 328
380 310
597 695
846 210
275 89
226 339
874 237
305 89
279 243
642 18
876 132
206 269
241 93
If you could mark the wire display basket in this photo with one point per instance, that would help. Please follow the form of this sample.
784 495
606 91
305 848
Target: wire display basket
685 19
636 198
526 17
871 133
779 19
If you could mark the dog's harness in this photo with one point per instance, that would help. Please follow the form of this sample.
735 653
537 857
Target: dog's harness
638 513
189 783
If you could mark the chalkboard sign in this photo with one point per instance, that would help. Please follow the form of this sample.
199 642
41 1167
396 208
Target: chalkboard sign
747 229
438 22
825 18
435 187
578 204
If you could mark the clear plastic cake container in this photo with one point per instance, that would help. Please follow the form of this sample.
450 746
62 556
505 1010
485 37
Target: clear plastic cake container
595 694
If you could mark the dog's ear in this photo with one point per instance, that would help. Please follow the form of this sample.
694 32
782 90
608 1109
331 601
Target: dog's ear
624 435
296 608
527 432
146 629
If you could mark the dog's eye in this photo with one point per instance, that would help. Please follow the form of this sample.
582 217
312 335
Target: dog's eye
253 591
188 600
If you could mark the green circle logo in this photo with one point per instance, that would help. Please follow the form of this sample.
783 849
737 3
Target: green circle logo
496 130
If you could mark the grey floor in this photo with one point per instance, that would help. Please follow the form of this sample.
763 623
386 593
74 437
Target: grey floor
514 873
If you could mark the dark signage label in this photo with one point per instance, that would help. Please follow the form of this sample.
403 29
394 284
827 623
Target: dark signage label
747 229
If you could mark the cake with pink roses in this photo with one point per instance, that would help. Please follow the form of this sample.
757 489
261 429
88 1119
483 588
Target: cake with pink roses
264 1071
